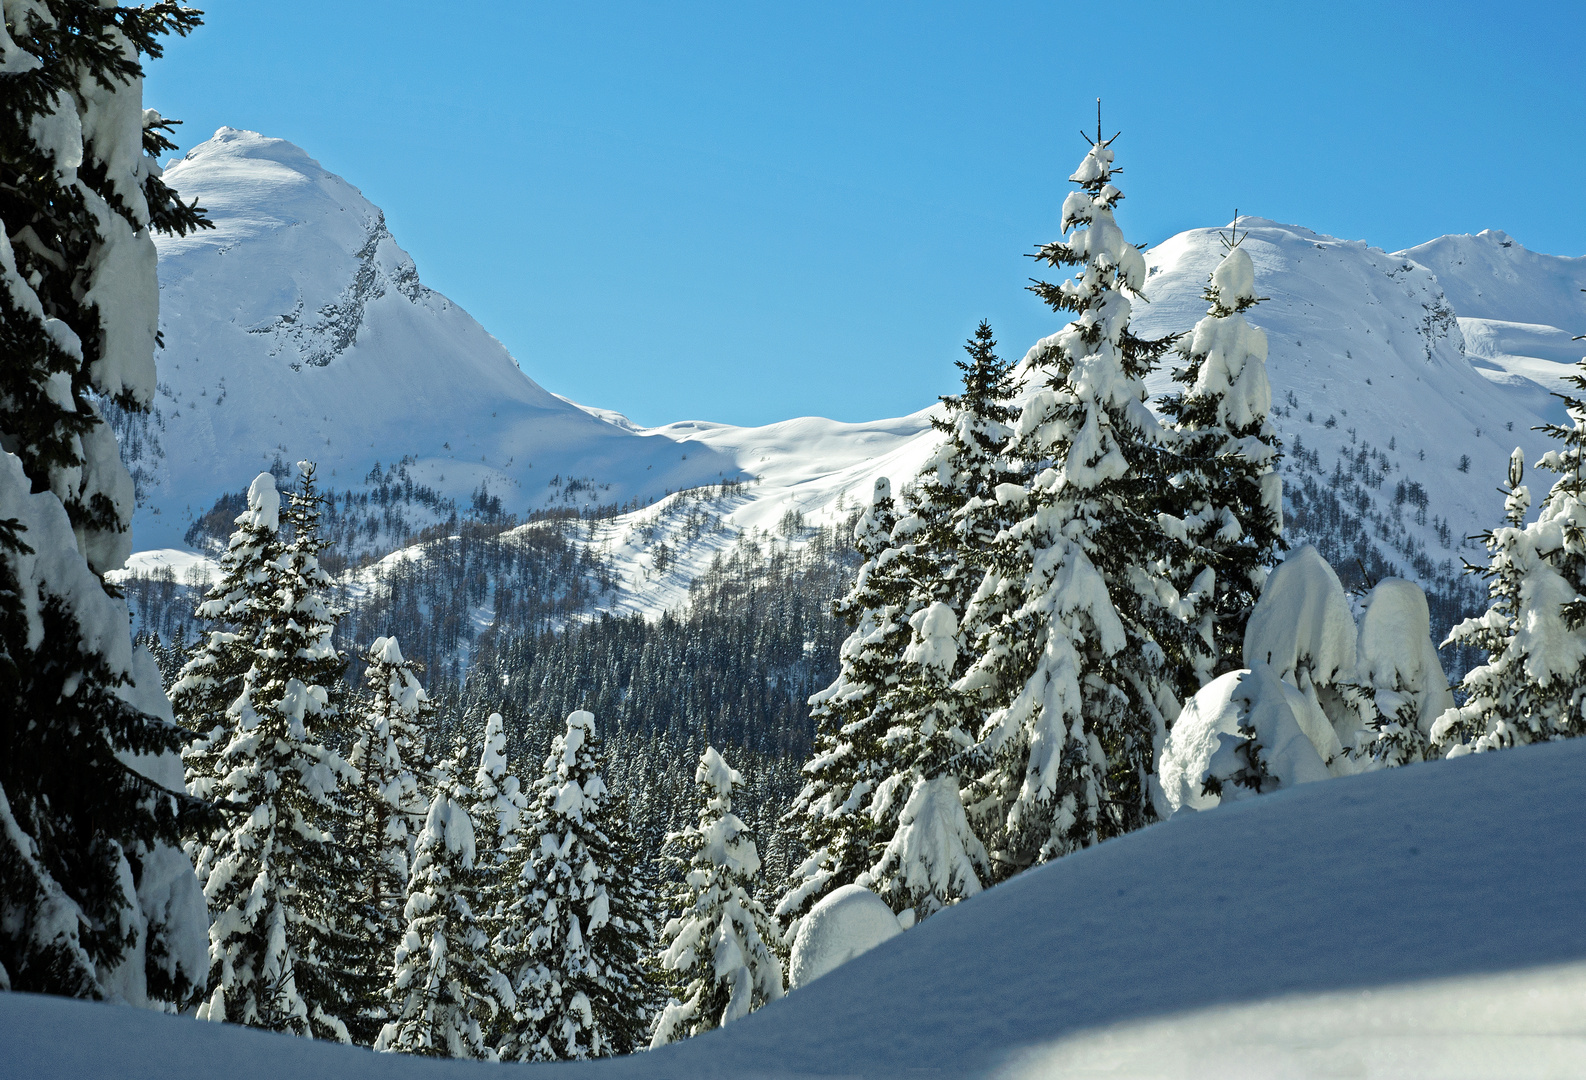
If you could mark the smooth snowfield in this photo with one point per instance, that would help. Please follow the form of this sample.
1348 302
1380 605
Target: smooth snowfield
1422 921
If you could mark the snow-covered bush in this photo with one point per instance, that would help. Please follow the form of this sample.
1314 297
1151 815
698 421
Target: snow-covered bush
848 921
1320 696
717 958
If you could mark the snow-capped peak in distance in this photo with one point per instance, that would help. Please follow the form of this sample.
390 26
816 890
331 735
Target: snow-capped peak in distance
297 328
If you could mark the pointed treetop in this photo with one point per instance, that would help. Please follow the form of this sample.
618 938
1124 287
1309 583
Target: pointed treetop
716 773
386 651
264 504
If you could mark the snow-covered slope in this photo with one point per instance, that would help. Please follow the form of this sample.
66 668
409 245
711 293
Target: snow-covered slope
1422 921
1518 309
1373 391
297 328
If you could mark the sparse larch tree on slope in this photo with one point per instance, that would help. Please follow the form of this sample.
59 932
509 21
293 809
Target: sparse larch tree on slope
583 912
1079 638
717 955
1533 686
391 755
1227 494
282 885
96 898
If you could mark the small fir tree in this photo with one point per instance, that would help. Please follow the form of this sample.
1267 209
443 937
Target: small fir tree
584 914
852 717
1533 686
717 958
445 988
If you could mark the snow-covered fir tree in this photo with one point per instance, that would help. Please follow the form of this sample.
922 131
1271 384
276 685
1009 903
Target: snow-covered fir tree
1080 640
1533 686
924 854
1228 496
851 717
96 897
237 605
283 886
446 989
391 755
931 857
718 958
582 914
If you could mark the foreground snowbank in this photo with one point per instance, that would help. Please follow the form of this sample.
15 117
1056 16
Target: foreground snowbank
1362 923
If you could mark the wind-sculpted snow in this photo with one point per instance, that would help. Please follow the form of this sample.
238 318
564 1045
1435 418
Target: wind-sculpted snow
1234 935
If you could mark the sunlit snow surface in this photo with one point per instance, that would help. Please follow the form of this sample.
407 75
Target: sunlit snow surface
1421 922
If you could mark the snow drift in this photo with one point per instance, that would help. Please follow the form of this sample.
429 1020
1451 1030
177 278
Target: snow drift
1442 900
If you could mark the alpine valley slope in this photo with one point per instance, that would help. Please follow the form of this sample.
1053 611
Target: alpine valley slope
1365 926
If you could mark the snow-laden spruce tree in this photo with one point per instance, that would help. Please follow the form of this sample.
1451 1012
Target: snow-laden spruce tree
1080 640
282 883
96 898
391 755
718 959
236 605
1227 505
582 914
956 492
922 851
852 717
446 990
931 857
1533 686
498 801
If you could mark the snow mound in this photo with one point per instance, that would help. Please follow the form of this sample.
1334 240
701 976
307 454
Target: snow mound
850 921
1353 898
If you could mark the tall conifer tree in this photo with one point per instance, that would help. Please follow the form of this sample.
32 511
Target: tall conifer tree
96 899
1228 505
392 758
282 883
1079 643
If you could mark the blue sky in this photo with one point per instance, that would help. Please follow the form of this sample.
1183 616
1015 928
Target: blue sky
746 212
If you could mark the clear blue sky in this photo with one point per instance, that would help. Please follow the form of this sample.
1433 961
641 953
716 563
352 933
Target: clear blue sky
746 212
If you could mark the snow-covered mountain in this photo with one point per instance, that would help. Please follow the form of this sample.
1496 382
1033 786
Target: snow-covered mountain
297 328
1415 922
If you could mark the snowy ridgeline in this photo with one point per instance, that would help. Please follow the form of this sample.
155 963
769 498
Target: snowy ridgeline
1306 933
